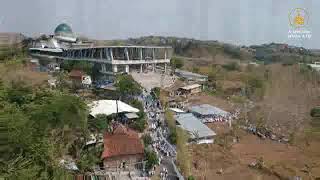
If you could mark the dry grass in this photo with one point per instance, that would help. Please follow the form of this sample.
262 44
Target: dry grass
281 160
288 99
17 72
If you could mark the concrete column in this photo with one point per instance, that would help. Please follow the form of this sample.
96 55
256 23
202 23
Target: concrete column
115 68
153 55
103 68
165 54
141 54
127 68
127 53
141 68
111 54
153 67
165 67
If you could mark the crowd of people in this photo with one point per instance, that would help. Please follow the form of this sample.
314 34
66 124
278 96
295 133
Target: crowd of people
157 129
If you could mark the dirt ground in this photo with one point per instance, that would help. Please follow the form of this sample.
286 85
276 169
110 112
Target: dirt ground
212 100
281 160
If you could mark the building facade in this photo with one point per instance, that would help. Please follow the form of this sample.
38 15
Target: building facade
123 149
64 46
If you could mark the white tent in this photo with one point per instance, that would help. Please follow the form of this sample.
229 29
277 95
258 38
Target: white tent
109 107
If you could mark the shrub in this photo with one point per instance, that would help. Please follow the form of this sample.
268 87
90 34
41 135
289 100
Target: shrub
156 91
152 159
176 63
173 137
147 140
233 66
315 112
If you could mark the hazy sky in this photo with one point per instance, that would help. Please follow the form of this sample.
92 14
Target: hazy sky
234 21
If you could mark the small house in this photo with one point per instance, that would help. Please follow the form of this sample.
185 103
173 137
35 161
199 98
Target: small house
199 132
123 149
190 89
208 113
80 79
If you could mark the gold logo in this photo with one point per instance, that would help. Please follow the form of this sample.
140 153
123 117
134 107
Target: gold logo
298 17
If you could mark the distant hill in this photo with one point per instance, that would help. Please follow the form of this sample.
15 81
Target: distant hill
187 47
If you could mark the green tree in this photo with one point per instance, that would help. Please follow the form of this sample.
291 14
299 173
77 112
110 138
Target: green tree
195 69
100 123
232 66
173 136
156 91
176 63
152 159
127 86
140 123
315 112
183 155
147 140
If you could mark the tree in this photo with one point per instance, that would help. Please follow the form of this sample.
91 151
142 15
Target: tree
140 123
19 93
152 159
232 66
183 155
156 91
147 140
195 69
100 123
176 63
127 86
62 111
315 112
173 136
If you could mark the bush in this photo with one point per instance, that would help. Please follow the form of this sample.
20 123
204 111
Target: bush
101 123
156 91
176 63
127 86
147 140
233 66
173 137
315 112
152 159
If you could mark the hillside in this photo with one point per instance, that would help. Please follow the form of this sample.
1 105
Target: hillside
267 53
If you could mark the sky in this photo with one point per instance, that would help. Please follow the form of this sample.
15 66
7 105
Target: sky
241 22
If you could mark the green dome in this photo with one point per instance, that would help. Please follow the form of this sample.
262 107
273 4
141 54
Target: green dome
63 29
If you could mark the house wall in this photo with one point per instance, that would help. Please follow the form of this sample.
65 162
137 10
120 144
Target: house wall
117 162
195 90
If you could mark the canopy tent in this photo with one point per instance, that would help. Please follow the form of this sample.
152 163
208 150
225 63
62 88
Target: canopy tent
109 107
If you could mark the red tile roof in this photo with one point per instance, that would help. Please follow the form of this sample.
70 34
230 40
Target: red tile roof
122 141
76 74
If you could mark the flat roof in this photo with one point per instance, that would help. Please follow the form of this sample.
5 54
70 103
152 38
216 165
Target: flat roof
194 126
206 109
177 110
47 49
128 46
191 86
131 115
188 73
109 107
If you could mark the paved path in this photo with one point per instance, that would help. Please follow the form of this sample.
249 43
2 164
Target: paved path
167 161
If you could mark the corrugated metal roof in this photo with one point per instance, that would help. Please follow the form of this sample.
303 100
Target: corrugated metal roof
131 115
190 74
206 109
191 86
176 110
109 107
193 125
